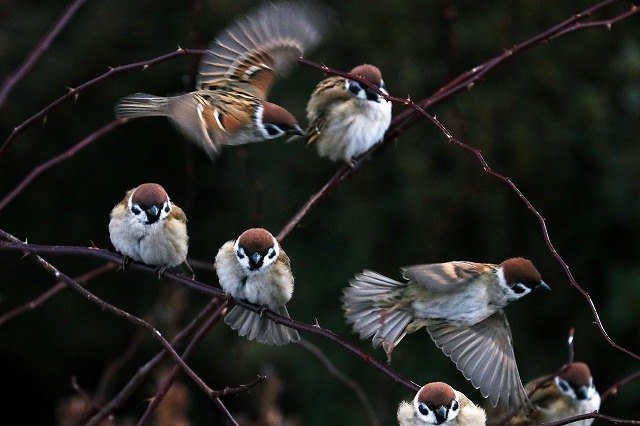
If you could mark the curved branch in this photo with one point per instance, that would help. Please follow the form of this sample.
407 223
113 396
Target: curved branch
74 92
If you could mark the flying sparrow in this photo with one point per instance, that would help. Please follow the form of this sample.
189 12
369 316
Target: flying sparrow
347 118
147 227
255 268
569 393
460 304
439 404
229 105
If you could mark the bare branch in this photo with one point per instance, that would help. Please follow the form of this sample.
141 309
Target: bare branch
76 91
344 379
34 249
59 286
40 49
58 159
143 371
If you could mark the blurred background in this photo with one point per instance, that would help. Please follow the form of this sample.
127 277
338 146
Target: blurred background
562 120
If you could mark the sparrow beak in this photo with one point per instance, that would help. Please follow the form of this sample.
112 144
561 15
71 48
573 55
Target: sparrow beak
153 214
582 393
297 130
543 286
255 261
441 414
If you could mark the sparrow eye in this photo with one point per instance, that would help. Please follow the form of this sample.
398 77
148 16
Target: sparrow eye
519 288
455 405
273 130
564 385
422 407
135 210
271 253
354 87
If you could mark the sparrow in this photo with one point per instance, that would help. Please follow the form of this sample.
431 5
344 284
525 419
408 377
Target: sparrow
439 404
255 268
147 227
569 393
229 105
347 118
460 304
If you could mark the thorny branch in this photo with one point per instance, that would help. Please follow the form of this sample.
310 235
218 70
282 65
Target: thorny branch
14 245
39 50
75 92
400 123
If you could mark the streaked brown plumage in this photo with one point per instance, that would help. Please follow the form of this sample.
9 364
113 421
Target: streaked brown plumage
229 105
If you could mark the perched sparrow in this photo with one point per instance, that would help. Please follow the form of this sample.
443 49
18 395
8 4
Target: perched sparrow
569 393
146 227
229 104
439 404
347 118
255 268
460 304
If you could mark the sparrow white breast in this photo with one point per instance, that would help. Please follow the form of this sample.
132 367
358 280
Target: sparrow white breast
147 227
347 118
255 268
439 404
229 104
460 304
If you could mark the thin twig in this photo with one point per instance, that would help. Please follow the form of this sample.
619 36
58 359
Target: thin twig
112 309
16 245
74 92
58 159
620 383
344 379
142 372
55 289
39 49
170 379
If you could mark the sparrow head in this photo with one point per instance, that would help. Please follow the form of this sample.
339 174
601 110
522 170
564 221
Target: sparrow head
272 121
521 276
256 249
370 74
149 203
576 382
435 403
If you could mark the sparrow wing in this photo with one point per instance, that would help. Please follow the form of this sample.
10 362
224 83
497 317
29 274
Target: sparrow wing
328 92
446 277
264 44
484 354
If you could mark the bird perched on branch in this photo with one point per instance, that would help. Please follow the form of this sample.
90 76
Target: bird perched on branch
229 105
147 227
347 118
555 397
255 268
460 304
439 404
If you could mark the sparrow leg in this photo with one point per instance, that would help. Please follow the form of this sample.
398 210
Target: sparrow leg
186 264
124 263
160 270
393 345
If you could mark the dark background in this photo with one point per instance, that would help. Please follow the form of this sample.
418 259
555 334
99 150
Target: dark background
561 120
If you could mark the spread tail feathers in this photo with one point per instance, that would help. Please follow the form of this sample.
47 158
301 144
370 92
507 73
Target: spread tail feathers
141 105
370 306
261 329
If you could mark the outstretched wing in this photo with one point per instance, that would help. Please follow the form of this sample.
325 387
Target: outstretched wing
264 44
484 354
445 277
